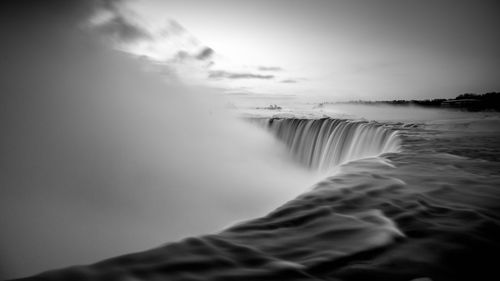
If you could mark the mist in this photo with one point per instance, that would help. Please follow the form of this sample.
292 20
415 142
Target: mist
100 159
407 113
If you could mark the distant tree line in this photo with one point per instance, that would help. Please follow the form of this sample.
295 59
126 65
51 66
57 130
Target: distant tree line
468 101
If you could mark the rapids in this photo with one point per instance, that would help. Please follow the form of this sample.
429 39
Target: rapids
99 159
426 209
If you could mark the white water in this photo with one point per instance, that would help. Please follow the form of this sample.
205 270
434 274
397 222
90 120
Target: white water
100 159
321 144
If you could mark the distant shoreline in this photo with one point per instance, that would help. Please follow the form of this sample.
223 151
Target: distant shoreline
469 102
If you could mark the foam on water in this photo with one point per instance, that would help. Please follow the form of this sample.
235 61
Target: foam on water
321 144
93 158
418 213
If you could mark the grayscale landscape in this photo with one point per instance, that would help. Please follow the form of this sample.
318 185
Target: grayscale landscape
249 140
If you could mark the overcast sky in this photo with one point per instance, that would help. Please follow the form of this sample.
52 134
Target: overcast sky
338 49
321 49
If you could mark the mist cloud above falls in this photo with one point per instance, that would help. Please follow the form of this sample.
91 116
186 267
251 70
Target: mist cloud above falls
100 159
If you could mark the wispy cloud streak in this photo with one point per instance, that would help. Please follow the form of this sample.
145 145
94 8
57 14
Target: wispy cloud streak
235 75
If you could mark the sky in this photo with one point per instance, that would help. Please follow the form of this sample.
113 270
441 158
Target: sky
100 159
318 50
83 127
344 50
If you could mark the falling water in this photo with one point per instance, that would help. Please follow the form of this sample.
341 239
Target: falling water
321 144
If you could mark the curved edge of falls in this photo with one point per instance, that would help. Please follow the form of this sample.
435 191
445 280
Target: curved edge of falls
321 144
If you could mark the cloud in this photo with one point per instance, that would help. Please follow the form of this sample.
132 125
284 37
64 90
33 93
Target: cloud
181 56
173 28
270 68
121 29
235 75
90 142
205 53
237 94
114 22
289 81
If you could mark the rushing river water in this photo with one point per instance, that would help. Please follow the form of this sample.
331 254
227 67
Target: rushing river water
424 204
99 159
321 144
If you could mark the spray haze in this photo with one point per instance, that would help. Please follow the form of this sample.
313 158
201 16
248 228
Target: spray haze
105 150
99 159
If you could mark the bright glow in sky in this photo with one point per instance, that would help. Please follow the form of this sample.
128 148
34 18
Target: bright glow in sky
345 50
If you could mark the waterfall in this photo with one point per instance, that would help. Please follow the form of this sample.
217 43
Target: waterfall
321 144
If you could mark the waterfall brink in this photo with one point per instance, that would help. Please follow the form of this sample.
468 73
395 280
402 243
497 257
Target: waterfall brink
321 144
